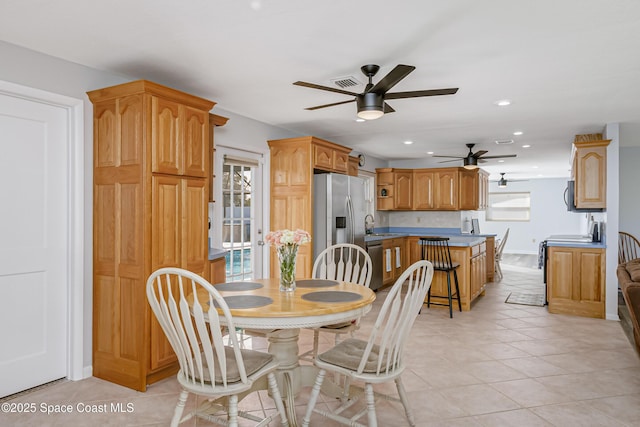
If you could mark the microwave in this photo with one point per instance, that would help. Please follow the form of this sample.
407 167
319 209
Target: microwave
570 201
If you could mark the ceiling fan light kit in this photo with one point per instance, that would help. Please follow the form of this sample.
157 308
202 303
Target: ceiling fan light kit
370 106
470 162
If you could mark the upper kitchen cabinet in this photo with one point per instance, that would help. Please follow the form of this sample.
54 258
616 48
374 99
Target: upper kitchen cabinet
328 156
423 190
439 189
293 162
402 182
589 170
354 166
150 202
385 186
447 184
394 189
474 189
180 138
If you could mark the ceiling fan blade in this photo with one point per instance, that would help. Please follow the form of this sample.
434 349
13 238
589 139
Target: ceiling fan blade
417 93
450 157
500 157
391 79
388 109
479 153
329 105
447 161
330 89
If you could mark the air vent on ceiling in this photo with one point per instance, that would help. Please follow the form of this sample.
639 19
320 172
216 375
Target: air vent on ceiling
504 141
344 82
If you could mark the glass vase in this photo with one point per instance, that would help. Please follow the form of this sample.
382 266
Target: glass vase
287 257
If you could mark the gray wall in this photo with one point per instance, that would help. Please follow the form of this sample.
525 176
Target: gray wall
29 68
629 220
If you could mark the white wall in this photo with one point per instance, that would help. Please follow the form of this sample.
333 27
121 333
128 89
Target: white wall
549 215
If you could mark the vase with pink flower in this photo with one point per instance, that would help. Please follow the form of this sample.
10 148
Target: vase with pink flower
287 243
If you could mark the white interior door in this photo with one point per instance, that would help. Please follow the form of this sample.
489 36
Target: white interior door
34 231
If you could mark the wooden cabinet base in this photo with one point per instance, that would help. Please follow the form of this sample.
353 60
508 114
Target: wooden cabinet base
576 281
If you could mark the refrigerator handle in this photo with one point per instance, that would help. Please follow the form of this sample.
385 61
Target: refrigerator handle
352 234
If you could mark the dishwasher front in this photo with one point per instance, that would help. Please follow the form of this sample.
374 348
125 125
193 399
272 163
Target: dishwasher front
374 249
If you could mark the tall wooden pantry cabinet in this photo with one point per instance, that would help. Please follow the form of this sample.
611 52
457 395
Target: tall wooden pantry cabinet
151 191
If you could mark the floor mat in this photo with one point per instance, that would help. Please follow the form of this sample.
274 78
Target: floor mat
525 299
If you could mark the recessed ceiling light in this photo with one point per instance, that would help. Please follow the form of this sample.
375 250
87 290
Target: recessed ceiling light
502 102
518 133
429 152
526 146
359 120
534 167
503 141
500 161
408 142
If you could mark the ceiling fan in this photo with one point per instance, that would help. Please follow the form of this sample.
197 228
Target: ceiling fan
472 159
502 182
371 103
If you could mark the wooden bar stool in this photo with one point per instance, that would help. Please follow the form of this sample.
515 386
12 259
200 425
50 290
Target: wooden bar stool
436 250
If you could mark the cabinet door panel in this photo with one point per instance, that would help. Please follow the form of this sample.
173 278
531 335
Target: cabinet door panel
196 149
194 220
291 212
469 190
166 144
340 161
591 178
447 190
423 191
562 273
105 134
322 157
131 130
403 194
165 239
590 273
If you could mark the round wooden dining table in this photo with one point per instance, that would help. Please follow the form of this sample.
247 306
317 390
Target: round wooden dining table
259 304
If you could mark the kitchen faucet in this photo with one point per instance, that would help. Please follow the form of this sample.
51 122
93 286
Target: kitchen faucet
368 224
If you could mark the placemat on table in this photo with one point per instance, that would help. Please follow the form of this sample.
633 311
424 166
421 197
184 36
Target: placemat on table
316 283
332 296
237 286
245 301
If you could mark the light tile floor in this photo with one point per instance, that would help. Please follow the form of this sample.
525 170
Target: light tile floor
496 365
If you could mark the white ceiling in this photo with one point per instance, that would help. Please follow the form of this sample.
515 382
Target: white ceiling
568 66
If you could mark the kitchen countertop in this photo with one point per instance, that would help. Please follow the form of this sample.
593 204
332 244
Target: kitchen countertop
215 253
460 240
594 245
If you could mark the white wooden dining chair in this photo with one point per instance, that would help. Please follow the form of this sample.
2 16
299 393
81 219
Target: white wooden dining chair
341 262
380 358
499 249
208 367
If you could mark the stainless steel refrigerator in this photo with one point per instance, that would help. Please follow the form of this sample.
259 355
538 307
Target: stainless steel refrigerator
339 209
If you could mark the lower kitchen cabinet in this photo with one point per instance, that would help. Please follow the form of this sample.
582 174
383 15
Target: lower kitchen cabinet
394 262
217 271
472 272
576 281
